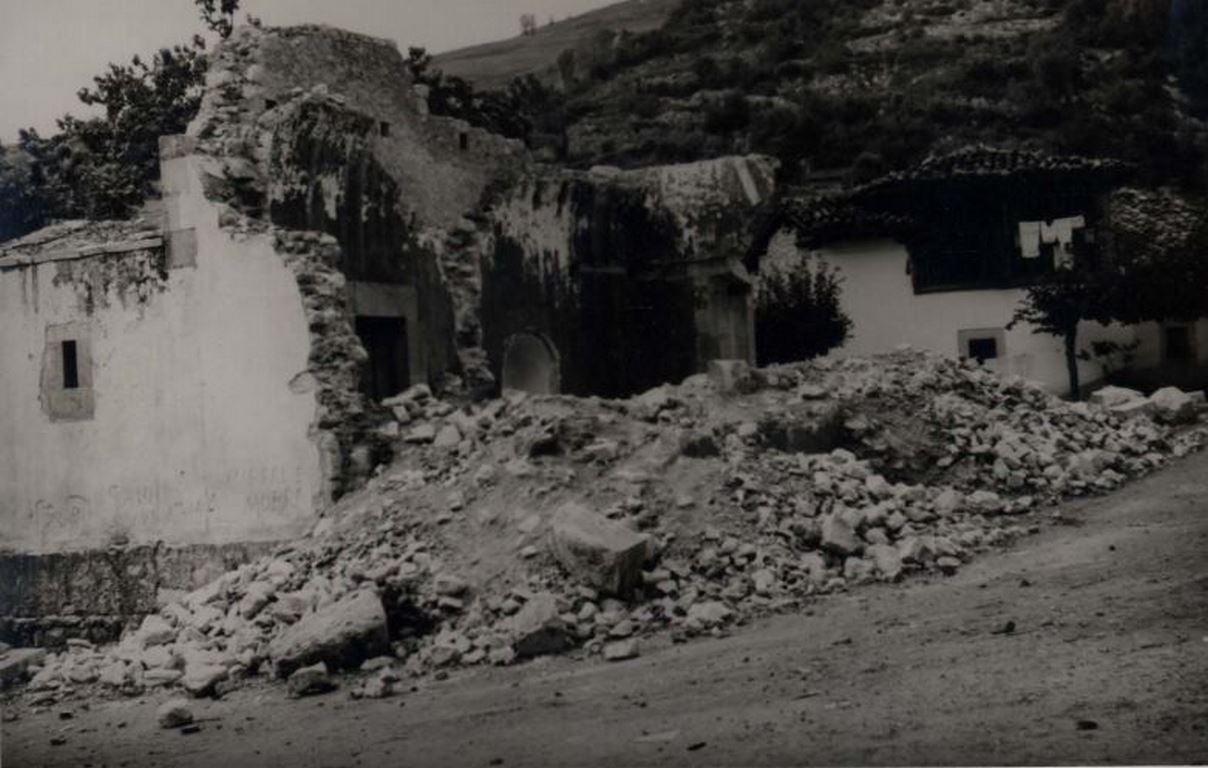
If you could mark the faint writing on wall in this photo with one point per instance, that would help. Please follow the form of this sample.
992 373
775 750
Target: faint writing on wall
251 497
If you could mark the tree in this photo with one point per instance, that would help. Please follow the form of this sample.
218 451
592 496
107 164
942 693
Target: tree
528 24
21 210
797 313
218 15
1153 269
1186 48
104 167
1059 303
526 105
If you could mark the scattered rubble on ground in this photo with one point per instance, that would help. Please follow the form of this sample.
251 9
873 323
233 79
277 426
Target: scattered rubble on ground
526 526
174 713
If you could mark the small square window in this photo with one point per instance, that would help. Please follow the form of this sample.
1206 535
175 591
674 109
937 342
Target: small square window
71 365
270 104
983 348
384 129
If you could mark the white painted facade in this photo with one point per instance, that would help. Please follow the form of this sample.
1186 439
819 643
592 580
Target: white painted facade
878 295
196 435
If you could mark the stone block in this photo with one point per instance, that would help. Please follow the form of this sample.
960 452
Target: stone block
597 551
342 634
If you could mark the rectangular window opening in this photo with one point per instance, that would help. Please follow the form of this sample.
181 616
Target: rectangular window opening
270 104
463 140
71 368
983 349
384 129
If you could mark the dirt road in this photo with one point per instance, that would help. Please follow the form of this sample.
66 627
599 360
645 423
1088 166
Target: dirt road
1107 662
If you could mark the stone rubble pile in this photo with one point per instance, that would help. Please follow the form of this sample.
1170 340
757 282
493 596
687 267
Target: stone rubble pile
687 509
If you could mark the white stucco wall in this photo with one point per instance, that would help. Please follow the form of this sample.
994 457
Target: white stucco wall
196 435
878 296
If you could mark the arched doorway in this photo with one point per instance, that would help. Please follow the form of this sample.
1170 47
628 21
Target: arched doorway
530 364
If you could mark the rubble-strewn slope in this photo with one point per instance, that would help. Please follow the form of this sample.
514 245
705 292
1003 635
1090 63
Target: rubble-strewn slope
530 525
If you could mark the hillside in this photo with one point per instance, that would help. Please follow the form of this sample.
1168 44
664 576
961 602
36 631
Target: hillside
493 65
867 86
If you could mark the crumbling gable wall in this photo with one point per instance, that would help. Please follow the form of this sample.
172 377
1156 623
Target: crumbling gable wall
315 136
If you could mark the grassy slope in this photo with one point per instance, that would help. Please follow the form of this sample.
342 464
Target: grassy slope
493 65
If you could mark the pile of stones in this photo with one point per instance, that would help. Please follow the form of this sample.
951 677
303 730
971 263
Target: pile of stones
808 479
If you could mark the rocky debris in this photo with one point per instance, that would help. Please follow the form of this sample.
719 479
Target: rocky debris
732 376
173 714
344 634
557 522
709 614
1174 406
538 628
621 650
839 537
16 663
200 679
596 551
887 559
155 630
309 681
1111 396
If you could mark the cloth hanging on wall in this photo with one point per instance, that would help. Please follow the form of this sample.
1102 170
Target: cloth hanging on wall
1029 239
1062 231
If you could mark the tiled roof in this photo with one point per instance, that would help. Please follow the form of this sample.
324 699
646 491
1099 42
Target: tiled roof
817 219
79 239
985 161
1158 220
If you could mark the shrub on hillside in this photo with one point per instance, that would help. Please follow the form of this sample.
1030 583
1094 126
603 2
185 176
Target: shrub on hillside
797 313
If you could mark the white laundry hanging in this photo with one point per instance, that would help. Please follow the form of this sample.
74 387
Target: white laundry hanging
1029 239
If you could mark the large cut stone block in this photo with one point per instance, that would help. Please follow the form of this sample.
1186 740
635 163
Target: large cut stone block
597 551
342 634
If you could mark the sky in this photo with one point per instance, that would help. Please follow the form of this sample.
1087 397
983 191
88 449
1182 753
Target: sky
49 49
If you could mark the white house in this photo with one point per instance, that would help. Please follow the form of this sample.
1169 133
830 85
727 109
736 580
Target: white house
939 258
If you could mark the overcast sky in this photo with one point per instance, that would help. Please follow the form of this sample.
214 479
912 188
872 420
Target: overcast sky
49 49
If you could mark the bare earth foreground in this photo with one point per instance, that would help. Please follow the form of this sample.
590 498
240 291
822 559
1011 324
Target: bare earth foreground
1085 643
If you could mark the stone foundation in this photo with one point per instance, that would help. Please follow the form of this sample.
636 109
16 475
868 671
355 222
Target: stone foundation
46 599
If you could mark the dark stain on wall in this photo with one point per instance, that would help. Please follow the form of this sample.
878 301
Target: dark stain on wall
133 277
622 314
324 164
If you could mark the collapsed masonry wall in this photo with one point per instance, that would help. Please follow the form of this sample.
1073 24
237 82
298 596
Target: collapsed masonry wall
620 271
564 263
333 120
326 177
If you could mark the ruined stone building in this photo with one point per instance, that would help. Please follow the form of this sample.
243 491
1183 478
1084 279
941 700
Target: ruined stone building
181 390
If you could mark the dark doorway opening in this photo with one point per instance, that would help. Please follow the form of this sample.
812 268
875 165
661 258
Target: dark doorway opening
1178 344
386 372
530 365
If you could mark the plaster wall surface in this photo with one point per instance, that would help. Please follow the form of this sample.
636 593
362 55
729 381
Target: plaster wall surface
878 296
196 436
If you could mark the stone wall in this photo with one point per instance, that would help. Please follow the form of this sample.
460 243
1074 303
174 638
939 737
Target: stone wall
45 599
